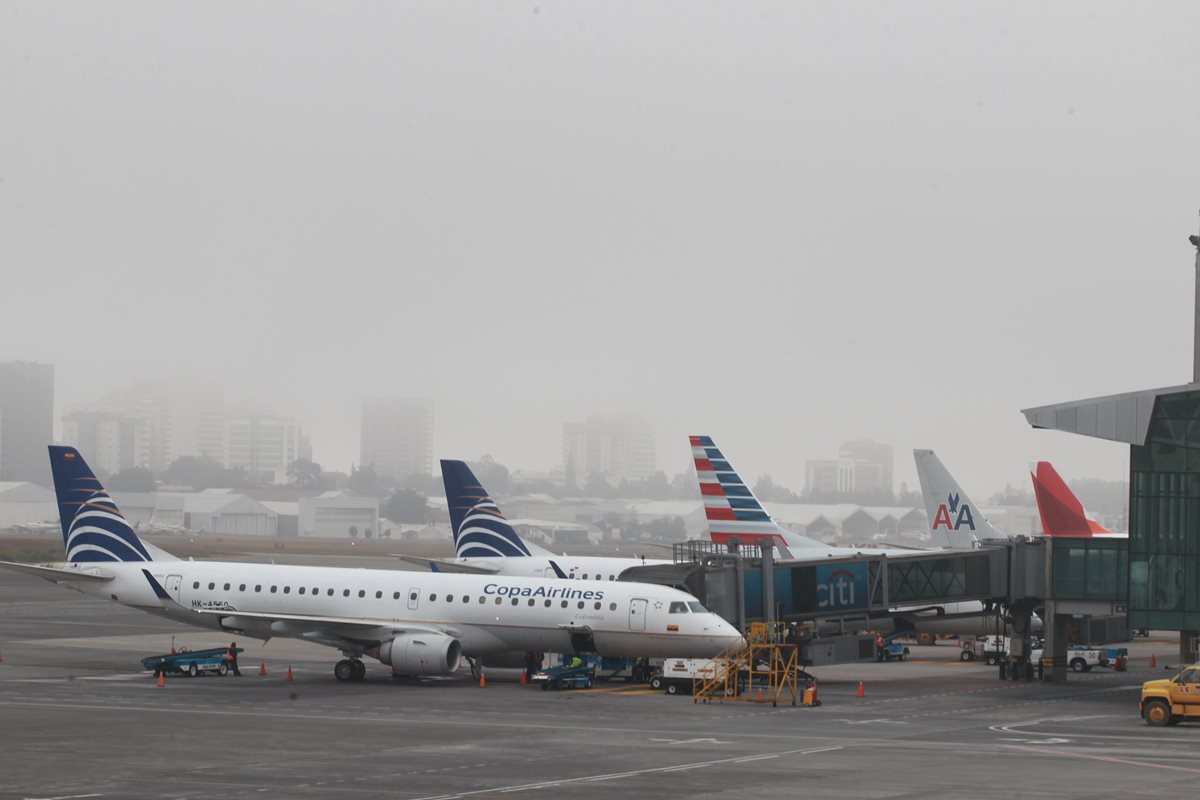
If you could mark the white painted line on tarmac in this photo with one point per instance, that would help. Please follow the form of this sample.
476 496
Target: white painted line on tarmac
616 775
64 797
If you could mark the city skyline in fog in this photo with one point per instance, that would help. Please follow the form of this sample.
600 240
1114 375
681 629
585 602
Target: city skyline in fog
784 226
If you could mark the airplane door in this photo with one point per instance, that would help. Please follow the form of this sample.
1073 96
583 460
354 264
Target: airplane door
637 614
173 582
414 597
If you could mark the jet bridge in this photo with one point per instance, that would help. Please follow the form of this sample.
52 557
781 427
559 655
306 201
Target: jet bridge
1076 579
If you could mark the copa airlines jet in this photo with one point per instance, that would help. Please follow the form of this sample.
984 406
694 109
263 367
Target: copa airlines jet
734 512
417 623
487 545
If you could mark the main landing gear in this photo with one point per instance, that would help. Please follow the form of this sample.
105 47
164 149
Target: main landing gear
349 670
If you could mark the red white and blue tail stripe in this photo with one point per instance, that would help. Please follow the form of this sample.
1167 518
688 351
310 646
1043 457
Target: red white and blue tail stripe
730 506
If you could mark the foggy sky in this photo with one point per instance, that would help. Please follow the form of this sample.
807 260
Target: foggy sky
781 224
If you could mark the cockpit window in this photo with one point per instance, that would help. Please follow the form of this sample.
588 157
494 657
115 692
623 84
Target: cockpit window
678 607
697 607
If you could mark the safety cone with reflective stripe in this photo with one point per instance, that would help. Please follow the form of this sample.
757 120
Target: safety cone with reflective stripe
262 668
289 677
162 681
760 695
482 681
524 679
861 692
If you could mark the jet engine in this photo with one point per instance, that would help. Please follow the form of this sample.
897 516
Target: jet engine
421 654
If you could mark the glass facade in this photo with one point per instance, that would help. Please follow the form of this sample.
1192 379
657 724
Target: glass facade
1091 569
1164 518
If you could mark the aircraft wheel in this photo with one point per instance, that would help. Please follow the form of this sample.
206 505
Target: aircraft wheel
193 670
344 670
360 670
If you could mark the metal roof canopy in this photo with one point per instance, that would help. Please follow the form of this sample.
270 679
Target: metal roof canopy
1116 417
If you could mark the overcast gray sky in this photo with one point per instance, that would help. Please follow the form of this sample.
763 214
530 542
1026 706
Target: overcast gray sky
782 224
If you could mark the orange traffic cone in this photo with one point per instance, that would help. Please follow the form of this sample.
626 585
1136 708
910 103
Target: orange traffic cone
524 679
172 649
1 656
861 692
262 668
162 681
760 695
482 681
1153 663
289 677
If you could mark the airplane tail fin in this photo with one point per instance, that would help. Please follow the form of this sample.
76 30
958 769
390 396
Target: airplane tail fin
1061 512
955 522
93 528
732 510
480 529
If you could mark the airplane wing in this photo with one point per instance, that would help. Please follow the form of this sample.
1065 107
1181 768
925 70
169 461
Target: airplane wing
438 565
58 575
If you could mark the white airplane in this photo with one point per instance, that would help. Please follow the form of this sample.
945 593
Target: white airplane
1061 512
419 624
487 545
733 512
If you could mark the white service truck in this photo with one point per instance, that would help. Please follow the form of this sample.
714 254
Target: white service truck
993 649
677 674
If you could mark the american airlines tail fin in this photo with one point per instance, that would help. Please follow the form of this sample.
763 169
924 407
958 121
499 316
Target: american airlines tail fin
93 528
955 522
480 529
732 510
1062 513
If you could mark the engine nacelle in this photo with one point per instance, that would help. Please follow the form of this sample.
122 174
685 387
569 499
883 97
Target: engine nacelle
421 654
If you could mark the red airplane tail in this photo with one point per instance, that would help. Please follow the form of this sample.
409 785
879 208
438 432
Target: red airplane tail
1062 513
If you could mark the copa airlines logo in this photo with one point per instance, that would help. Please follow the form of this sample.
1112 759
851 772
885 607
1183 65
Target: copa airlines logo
541 591
98 532
485 533
953 514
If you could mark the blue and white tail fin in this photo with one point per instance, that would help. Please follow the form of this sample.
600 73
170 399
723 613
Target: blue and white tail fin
92 526
955 522
480 529
732 510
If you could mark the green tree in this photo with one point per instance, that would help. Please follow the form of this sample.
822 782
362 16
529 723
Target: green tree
304 473
405 505
364 481
134 479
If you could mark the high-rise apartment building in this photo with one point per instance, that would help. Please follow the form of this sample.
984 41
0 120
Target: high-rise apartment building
110 440
26 421
871 463
397 436
263 444
620 448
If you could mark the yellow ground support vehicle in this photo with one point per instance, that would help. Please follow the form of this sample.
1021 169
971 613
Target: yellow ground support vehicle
1172 700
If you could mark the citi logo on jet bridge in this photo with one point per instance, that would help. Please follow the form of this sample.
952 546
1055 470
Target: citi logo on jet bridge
542 591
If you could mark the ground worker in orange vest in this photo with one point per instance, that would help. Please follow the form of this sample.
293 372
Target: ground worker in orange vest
231 657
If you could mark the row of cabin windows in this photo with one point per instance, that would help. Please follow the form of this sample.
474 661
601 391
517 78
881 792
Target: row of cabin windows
597 577
396 595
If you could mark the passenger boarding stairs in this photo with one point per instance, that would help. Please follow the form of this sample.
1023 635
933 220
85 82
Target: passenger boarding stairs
764 669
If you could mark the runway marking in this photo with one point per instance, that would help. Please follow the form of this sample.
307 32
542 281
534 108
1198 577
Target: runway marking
691 741
64 797
617 775
1108 759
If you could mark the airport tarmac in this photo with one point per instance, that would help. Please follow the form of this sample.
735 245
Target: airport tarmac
80 719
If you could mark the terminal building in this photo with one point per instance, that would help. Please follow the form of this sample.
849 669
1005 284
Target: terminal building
1162 429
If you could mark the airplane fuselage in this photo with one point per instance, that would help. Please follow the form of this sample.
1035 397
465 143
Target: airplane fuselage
486 614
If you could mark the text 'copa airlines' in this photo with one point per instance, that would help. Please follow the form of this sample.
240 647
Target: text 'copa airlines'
542 591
